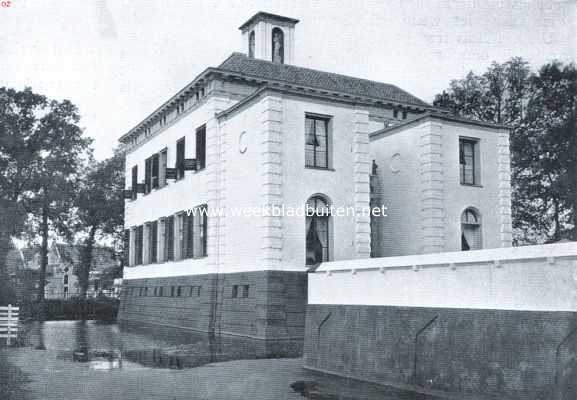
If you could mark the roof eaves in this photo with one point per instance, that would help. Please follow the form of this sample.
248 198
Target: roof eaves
167 103
263 14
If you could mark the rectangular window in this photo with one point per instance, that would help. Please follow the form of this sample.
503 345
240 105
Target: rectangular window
316 142
139 239
240 291
152 241
179 291
201 147
169 238
162 164
155 168
199 232
134 182
148 175
172 291
468 161
180 159
189 228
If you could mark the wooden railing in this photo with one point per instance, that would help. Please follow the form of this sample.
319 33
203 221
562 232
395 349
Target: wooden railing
9 323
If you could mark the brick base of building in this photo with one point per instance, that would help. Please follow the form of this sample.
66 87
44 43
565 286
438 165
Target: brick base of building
489 353
273 308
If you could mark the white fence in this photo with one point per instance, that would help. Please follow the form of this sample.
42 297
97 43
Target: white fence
9 323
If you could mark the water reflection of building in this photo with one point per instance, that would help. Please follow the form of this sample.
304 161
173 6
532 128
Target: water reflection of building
258 130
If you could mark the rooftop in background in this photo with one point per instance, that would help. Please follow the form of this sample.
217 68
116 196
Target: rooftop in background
261 15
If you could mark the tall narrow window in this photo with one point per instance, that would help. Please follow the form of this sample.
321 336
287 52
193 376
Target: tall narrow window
134 182
278 46
154 173
169 238
181 236
201 147
139 245
251 44
317 230
468 162
471 236
199 232
153 242
147 175
180 159
316 142
162 164
189 235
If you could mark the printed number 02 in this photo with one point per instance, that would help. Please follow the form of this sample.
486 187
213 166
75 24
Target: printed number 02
6 4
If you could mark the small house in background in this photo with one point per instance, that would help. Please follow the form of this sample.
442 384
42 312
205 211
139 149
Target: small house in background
24 278
64 260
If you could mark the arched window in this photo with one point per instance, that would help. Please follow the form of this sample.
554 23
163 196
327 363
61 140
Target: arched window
471 237
251 44
278 45
317 230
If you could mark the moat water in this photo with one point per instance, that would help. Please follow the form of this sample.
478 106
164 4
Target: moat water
100 360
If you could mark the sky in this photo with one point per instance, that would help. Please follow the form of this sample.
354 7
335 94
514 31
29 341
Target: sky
118 60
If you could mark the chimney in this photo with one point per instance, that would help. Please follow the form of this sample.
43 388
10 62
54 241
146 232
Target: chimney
269 37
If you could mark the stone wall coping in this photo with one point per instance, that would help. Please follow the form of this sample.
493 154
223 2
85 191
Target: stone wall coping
494 256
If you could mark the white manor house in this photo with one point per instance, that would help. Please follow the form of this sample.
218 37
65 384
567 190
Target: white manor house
258 130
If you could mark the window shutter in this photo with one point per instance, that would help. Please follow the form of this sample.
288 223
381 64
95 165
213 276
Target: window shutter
134 181
170 173
153 236
190 164
169 236
155 166
180 151
126 247
201 147
139 238
147 175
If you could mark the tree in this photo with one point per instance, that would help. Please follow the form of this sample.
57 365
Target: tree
540 109
99 209
41 150
19 144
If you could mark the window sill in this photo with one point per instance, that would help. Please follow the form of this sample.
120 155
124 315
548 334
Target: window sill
471 185
319 168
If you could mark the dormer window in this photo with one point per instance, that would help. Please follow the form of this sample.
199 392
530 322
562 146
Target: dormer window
277 46
251 44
